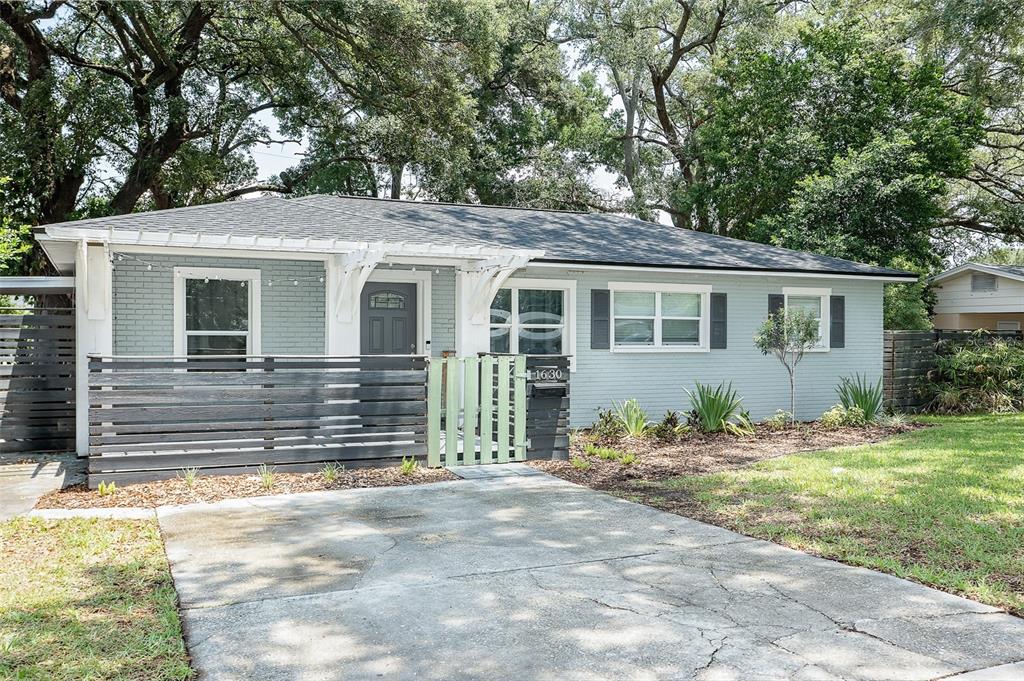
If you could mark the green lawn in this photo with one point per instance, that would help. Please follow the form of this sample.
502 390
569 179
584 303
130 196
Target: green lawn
943 506
87 599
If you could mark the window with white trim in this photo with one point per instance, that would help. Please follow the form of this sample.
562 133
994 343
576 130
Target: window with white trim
530 321
815 301
667 317
215 311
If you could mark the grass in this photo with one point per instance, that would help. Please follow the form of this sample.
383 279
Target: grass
87 599
943 506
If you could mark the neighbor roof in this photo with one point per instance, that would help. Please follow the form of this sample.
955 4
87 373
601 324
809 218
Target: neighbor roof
567 237
1010 271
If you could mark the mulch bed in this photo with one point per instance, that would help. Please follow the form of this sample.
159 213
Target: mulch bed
215 488
698 454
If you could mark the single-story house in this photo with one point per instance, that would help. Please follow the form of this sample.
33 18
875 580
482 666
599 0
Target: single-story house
979 296
643 310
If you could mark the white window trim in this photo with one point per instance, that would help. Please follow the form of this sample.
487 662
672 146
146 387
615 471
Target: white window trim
826 311
646 287
253 284
568 287
422 278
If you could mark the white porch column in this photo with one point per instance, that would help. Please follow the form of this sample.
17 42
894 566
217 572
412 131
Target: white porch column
94 327
346 275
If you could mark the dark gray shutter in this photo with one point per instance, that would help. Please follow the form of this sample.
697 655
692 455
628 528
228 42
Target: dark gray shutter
776 301
837 324
719 321
600 319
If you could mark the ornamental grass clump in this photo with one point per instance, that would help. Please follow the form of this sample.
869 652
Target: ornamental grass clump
861 393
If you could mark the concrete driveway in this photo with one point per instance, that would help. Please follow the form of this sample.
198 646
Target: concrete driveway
525 576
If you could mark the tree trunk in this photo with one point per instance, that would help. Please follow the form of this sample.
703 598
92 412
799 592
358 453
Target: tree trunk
396 180
792 393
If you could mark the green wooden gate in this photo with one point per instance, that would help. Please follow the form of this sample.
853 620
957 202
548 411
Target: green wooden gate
482 402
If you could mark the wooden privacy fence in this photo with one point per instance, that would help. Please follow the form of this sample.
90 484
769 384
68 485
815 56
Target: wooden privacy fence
908 356
37 380
151 417
484 410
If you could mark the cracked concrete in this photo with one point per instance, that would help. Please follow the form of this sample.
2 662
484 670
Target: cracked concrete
529 577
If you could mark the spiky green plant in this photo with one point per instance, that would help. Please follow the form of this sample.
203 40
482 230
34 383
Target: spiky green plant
409 465
860 392
331 471
189 475
715 406
266 475
632 417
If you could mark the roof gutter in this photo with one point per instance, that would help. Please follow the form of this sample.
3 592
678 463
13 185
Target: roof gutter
748 271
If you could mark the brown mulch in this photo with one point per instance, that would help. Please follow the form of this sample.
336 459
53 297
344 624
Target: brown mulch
215 488
698 454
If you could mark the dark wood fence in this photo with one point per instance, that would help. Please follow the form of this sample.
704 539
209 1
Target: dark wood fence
37 380
547 407
908 356
152 417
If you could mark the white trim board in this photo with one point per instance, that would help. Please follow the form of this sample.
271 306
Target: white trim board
251 276
976 267
667 269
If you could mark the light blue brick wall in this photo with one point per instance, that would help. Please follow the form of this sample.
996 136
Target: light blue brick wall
659 380
292 316
442 312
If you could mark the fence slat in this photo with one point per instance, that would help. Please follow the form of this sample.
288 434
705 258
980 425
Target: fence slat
471 392
519 429
451 423
434 414
486 409
504 366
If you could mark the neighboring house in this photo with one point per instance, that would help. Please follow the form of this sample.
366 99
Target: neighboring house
979 296
644 310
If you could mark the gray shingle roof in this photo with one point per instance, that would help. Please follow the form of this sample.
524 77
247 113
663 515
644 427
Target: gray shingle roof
1016 270
599 238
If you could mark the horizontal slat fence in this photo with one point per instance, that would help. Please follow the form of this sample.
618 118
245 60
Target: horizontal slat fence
908 356
151 417
37 380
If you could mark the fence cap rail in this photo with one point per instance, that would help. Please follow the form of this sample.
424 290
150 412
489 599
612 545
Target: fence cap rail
199 358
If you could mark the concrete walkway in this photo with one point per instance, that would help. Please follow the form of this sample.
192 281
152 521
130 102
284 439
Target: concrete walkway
21 484
529 577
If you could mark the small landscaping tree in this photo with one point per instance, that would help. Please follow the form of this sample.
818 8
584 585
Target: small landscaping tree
788 335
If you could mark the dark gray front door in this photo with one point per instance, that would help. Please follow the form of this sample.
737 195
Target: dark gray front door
388 319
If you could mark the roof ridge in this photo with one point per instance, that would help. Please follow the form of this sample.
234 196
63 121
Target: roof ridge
385 199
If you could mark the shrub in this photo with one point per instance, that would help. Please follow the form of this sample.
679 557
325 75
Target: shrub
859 392
628 459
632 418
409 465
606 453
669 428
840 416
713 408
743 425
607 426
979 374
778 421
107 489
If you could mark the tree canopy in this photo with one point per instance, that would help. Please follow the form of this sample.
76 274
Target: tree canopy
889 132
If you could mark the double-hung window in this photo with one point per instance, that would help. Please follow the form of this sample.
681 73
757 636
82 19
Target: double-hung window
533 317
814 301
669 317
216 311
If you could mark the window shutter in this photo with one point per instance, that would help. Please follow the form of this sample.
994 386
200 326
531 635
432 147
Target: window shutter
776 302
719 320
600 319
837 324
